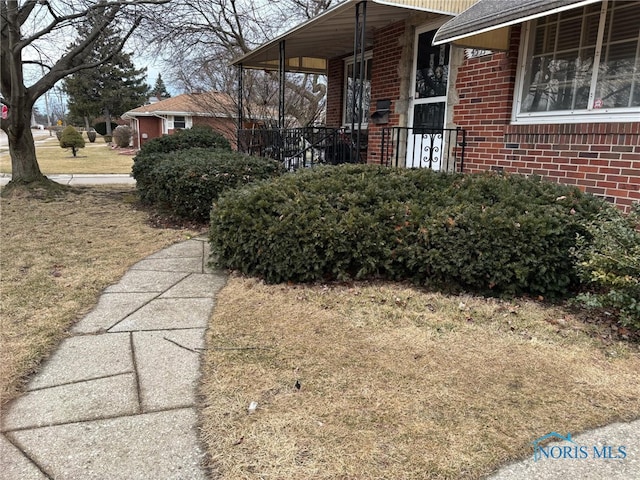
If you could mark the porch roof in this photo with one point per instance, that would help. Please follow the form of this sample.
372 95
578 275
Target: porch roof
486 24
309 45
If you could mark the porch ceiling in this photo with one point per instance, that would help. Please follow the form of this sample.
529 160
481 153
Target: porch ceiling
486 24
309 45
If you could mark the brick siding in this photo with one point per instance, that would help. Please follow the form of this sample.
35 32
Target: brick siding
385 82
152 127
600 158
385 85
335 87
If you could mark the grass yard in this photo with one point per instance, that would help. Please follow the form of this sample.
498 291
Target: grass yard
57 255
95 157
396 382
358 381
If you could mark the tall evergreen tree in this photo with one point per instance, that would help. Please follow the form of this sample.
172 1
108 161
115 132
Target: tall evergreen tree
159 90
111 88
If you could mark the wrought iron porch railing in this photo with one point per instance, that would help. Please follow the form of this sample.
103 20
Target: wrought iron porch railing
437 149
300 147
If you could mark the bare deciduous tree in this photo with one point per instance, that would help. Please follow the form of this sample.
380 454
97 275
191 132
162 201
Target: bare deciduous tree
198 39
35 33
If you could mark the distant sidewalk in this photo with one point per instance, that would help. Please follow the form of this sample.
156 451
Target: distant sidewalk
38 136
83 179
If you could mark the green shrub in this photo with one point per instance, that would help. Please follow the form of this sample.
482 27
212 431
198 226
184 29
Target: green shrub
122 136
91 135
199 136
101 127
486 233
71 138
608 260
187 182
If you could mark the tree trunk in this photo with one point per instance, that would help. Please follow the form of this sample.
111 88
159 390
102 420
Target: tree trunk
107 119
24 166
86 123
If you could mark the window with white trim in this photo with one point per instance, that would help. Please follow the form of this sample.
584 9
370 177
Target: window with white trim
179 122
581 65
350 91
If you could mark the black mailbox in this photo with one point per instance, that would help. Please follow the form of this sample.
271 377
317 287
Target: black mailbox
381 115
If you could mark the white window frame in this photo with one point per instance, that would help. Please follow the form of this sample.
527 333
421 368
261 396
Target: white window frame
368 57
591 114
187 121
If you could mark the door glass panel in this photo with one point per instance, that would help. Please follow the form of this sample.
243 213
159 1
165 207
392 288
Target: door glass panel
432 68
428 116
425 143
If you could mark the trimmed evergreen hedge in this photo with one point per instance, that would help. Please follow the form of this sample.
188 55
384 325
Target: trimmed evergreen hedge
487 233
101 127
198 136
186 182
608 262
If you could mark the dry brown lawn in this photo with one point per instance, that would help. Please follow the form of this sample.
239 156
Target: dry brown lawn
56 256
398 383
95 157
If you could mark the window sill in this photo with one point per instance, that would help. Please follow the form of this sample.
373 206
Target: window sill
601 116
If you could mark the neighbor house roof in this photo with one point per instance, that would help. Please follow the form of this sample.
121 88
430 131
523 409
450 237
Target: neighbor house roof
486 24
209 104
309 45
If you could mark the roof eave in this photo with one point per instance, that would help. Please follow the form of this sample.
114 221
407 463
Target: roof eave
175 113
483 37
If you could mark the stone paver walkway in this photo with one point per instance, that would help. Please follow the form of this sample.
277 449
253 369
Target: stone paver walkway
117 399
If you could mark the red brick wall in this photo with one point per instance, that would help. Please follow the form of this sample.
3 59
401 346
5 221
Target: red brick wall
335 87
601 158
385 82
151 126
228 127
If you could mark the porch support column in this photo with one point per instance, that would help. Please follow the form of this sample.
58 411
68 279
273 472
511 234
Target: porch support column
359 46
240 103
282 89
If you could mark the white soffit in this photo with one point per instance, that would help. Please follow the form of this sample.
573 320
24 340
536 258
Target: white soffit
329 35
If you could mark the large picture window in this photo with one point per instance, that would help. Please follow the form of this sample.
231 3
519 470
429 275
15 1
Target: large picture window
581 64
350 92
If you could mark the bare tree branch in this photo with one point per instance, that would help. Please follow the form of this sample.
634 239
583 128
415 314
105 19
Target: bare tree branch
199 39
33 24
59 21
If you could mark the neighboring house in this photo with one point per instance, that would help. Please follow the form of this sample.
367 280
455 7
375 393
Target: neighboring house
164 117
544 87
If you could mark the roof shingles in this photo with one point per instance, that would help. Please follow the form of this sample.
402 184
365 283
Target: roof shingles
209 104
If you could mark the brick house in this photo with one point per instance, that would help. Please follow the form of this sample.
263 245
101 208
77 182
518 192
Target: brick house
562 97
550 88
164 117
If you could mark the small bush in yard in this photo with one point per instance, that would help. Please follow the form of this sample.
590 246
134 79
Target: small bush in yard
608 260
101 127
486 233
71 138
152 152
198 136
122 136
186 182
